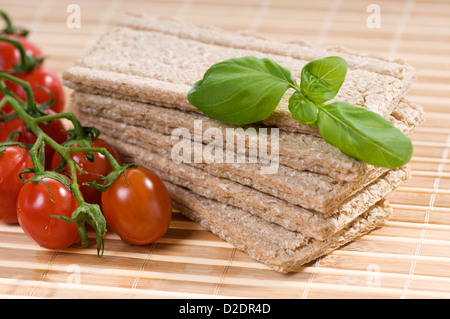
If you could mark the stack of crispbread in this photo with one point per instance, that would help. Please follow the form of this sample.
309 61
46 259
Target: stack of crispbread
132 85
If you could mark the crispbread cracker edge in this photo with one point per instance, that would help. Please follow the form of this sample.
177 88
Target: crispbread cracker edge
318 192
273 209
326 194
267 251
326 159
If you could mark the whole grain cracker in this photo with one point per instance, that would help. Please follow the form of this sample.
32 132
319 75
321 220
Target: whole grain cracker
275 246
304 188
157 60
271 208
297 151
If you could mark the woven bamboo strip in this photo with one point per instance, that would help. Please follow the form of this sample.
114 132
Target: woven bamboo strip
213 279
421 226
224 262
103 291
423 190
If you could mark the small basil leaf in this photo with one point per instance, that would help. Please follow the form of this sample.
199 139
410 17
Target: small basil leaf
321 79
364 135
241 90
303 109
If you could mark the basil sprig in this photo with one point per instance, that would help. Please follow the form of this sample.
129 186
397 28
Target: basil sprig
247 90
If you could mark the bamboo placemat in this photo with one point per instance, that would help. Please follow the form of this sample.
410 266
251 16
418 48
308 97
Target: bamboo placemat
409 257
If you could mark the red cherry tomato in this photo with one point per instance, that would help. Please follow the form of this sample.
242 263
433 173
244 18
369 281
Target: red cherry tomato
9 54
56 130
34 207
99 168
40 77
12 161
139 208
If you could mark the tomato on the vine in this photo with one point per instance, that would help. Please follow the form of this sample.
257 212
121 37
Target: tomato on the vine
99 168
55 129
13 160
36 202
138 208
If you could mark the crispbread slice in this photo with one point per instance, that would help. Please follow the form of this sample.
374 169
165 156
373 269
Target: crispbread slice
309 190
296 151
304 188
313 191
266 206
158 60
318 226
273 245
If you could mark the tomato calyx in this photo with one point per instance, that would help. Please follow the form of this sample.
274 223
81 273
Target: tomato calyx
82 136
10 28
28 62
10 142
38 177
81 140
91 214
110 178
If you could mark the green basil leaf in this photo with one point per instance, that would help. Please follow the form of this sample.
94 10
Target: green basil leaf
303 109
321 79
241 90
364 135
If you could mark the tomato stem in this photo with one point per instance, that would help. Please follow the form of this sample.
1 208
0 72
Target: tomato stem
39 167
31 104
